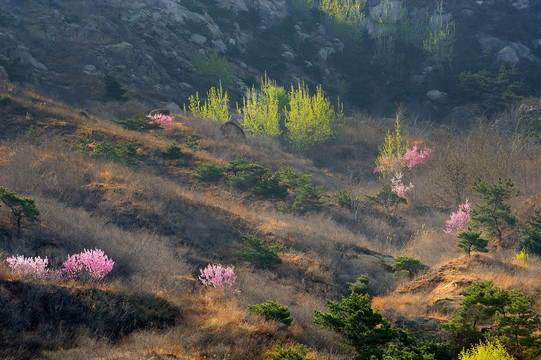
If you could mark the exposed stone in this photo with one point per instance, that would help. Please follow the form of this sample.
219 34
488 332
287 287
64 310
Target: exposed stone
521 4
219 45
436 96
174 108
513 52
289 56
185 86
418 79
26 58
4 77
90 68
490 41
198 39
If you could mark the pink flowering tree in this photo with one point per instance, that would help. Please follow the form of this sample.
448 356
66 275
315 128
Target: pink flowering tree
164 121
397 186
34 268
92 263
458 222
219 277
414 156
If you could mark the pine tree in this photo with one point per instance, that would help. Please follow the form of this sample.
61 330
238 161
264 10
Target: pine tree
472 240
20 207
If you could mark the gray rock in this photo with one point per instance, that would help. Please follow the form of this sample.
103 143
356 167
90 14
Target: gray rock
174 108
507 55
185 86
289 56
436 96
90 68
198 39
418 79
521 4
219 45
4 77
26 58
490 41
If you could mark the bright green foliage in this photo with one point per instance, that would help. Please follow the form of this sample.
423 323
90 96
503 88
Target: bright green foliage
359 325
308 199
343 11
405 265
508 314
494 213
113 88
215 106
261 108
172 152
530 237
310 120
386 198
20 207
138 122
209 171
486 351
439 45
257 252
391 154
360 286
472 240
299 352
272 311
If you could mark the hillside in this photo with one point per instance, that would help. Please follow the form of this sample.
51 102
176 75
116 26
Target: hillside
308 213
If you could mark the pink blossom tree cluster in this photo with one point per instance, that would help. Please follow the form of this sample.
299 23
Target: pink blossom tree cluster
164 121
35 268
397 186
458 222
93 263
414 157
219 277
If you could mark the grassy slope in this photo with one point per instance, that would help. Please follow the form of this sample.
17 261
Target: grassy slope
160 225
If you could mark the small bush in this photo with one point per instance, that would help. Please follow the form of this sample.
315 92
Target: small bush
386 198
258 253
298 352
219 277
485 351
292 178
138 122
34 268
93 264
113 88
172 152
209 171
245 174
346 198
192 142
360 286
272 311
5 100
308 199
270 187
530 237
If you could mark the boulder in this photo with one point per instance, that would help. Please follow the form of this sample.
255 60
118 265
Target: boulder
173 108
4 77
436 96
198 39
513 52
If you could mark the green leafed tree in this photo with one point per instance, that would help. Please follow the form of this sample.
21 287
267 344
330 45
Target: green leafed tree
262 109
215 107
472 240
310 120
361 327
20 207
299 352
495 213
486 351
405 265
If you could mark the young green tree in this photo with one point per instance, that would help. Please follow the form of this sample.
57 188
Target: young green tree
257 252
113 88
215 107
472 240
530 237
20 207
405 265
494 214
360 286
310 120
299 352
391 153
361 327
272 311
262 108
